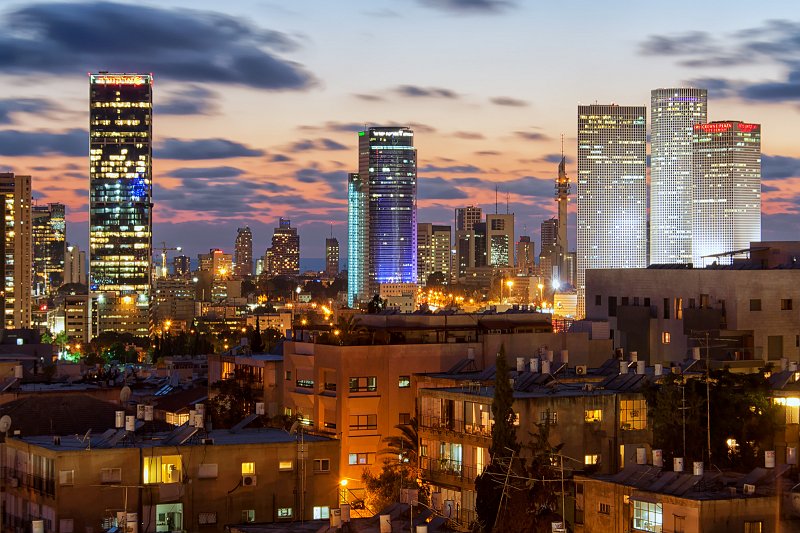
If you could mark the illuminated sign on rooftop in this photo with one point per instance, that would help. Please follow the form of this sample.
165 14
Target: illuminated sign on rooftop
121 79
722 127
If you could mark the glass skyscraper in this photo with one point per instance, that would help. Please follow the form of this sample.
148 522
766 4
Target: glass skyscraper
726 197
673 114
382 204
49 247
612 191
120 183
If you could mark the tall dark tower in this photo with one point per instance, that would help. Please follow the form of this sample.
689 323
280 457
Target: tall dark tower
120 183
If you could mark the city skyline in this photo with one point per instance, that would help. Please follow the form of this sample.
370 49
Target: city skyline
217 166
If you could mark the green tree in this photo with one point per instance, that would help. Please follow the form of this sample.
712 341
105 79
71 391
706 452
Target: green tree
504 451
405 446
376 305
230 405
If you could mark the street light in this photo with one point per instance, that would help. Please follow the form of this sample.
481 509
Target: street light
510 285
541 292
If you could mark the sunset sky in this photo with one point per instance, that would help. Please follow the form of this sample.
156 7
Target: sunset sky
256 106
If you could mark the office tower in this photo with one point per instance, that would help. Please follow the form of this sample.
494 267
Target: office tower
120 183
673 114
726 197
549 232
283 257
500 240
526 254
612 193
331 257
75 265
467 217
49 247
217 262
243 253
357 235
181 266
16 247
383 197
433 251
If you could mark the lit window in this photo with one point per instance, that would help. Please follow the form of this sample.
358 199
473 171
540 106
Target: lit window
548 416
593 415
665 337
248 515
162 469
361 422
404 382
753 527
284 512
66 477
647 516
592 459
285 465
361 458
322 513
633 414
248 468
364 384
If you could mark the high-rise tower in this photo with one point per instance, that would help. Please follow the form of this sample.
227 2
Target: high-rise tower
331 257
673 114
383 199
283 257
726 197
120 183
612 192
243 253
16 249
49 247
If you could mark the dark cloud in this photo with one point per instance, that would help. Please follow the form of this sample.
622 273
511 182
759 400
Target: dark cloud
322 144
777 167
774 42
72 143
437 188
469 6
189 149
224 199
488 152
415 91
12 106
455 169
315 175
768 188
206 172
331 125
469 135
717 87
531 135
191 100
369 97
279 158
556 158
185 45
780 226
508 101
528 186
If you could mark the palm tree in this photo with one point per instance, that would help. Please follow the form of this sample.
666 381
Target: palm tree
348 329
404 446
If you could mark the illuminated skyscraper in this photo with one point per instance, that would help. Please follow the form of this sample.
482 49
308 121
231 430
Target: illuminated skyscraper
433 251
75 265
181 266
467 217
526 254
331 257
500 240
384 198
612 192
726 197
243 253
673 114
283 257
120 183
49 247
16 247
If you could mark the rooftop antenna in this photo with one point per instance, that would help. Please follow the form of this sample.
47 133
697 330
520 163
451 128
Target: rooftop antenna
331 230
562 145
506 202
495 199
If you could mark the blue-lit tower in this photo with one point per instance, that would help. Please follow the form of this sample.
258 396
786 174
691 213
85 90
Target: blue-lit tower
382 217
120 183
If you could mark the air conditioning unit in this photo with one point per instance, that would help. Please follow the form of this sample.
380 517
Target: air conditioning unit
207 441
580 370
249 480
749 489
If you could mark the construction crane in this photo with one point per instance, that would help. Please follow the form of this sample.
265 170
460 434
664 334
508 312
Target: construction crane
164 249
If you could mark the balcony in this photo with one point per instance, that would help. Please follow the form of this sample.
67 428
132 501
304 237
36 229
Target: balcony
17 478
449 426
448 471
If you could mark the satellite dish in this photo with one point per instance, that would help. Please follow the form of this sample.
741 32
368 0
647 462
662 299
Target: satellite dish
124 394
5 423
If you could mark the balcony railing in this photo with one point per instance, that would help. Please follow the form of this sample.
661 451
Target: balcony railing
455 426
43 485
452 470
